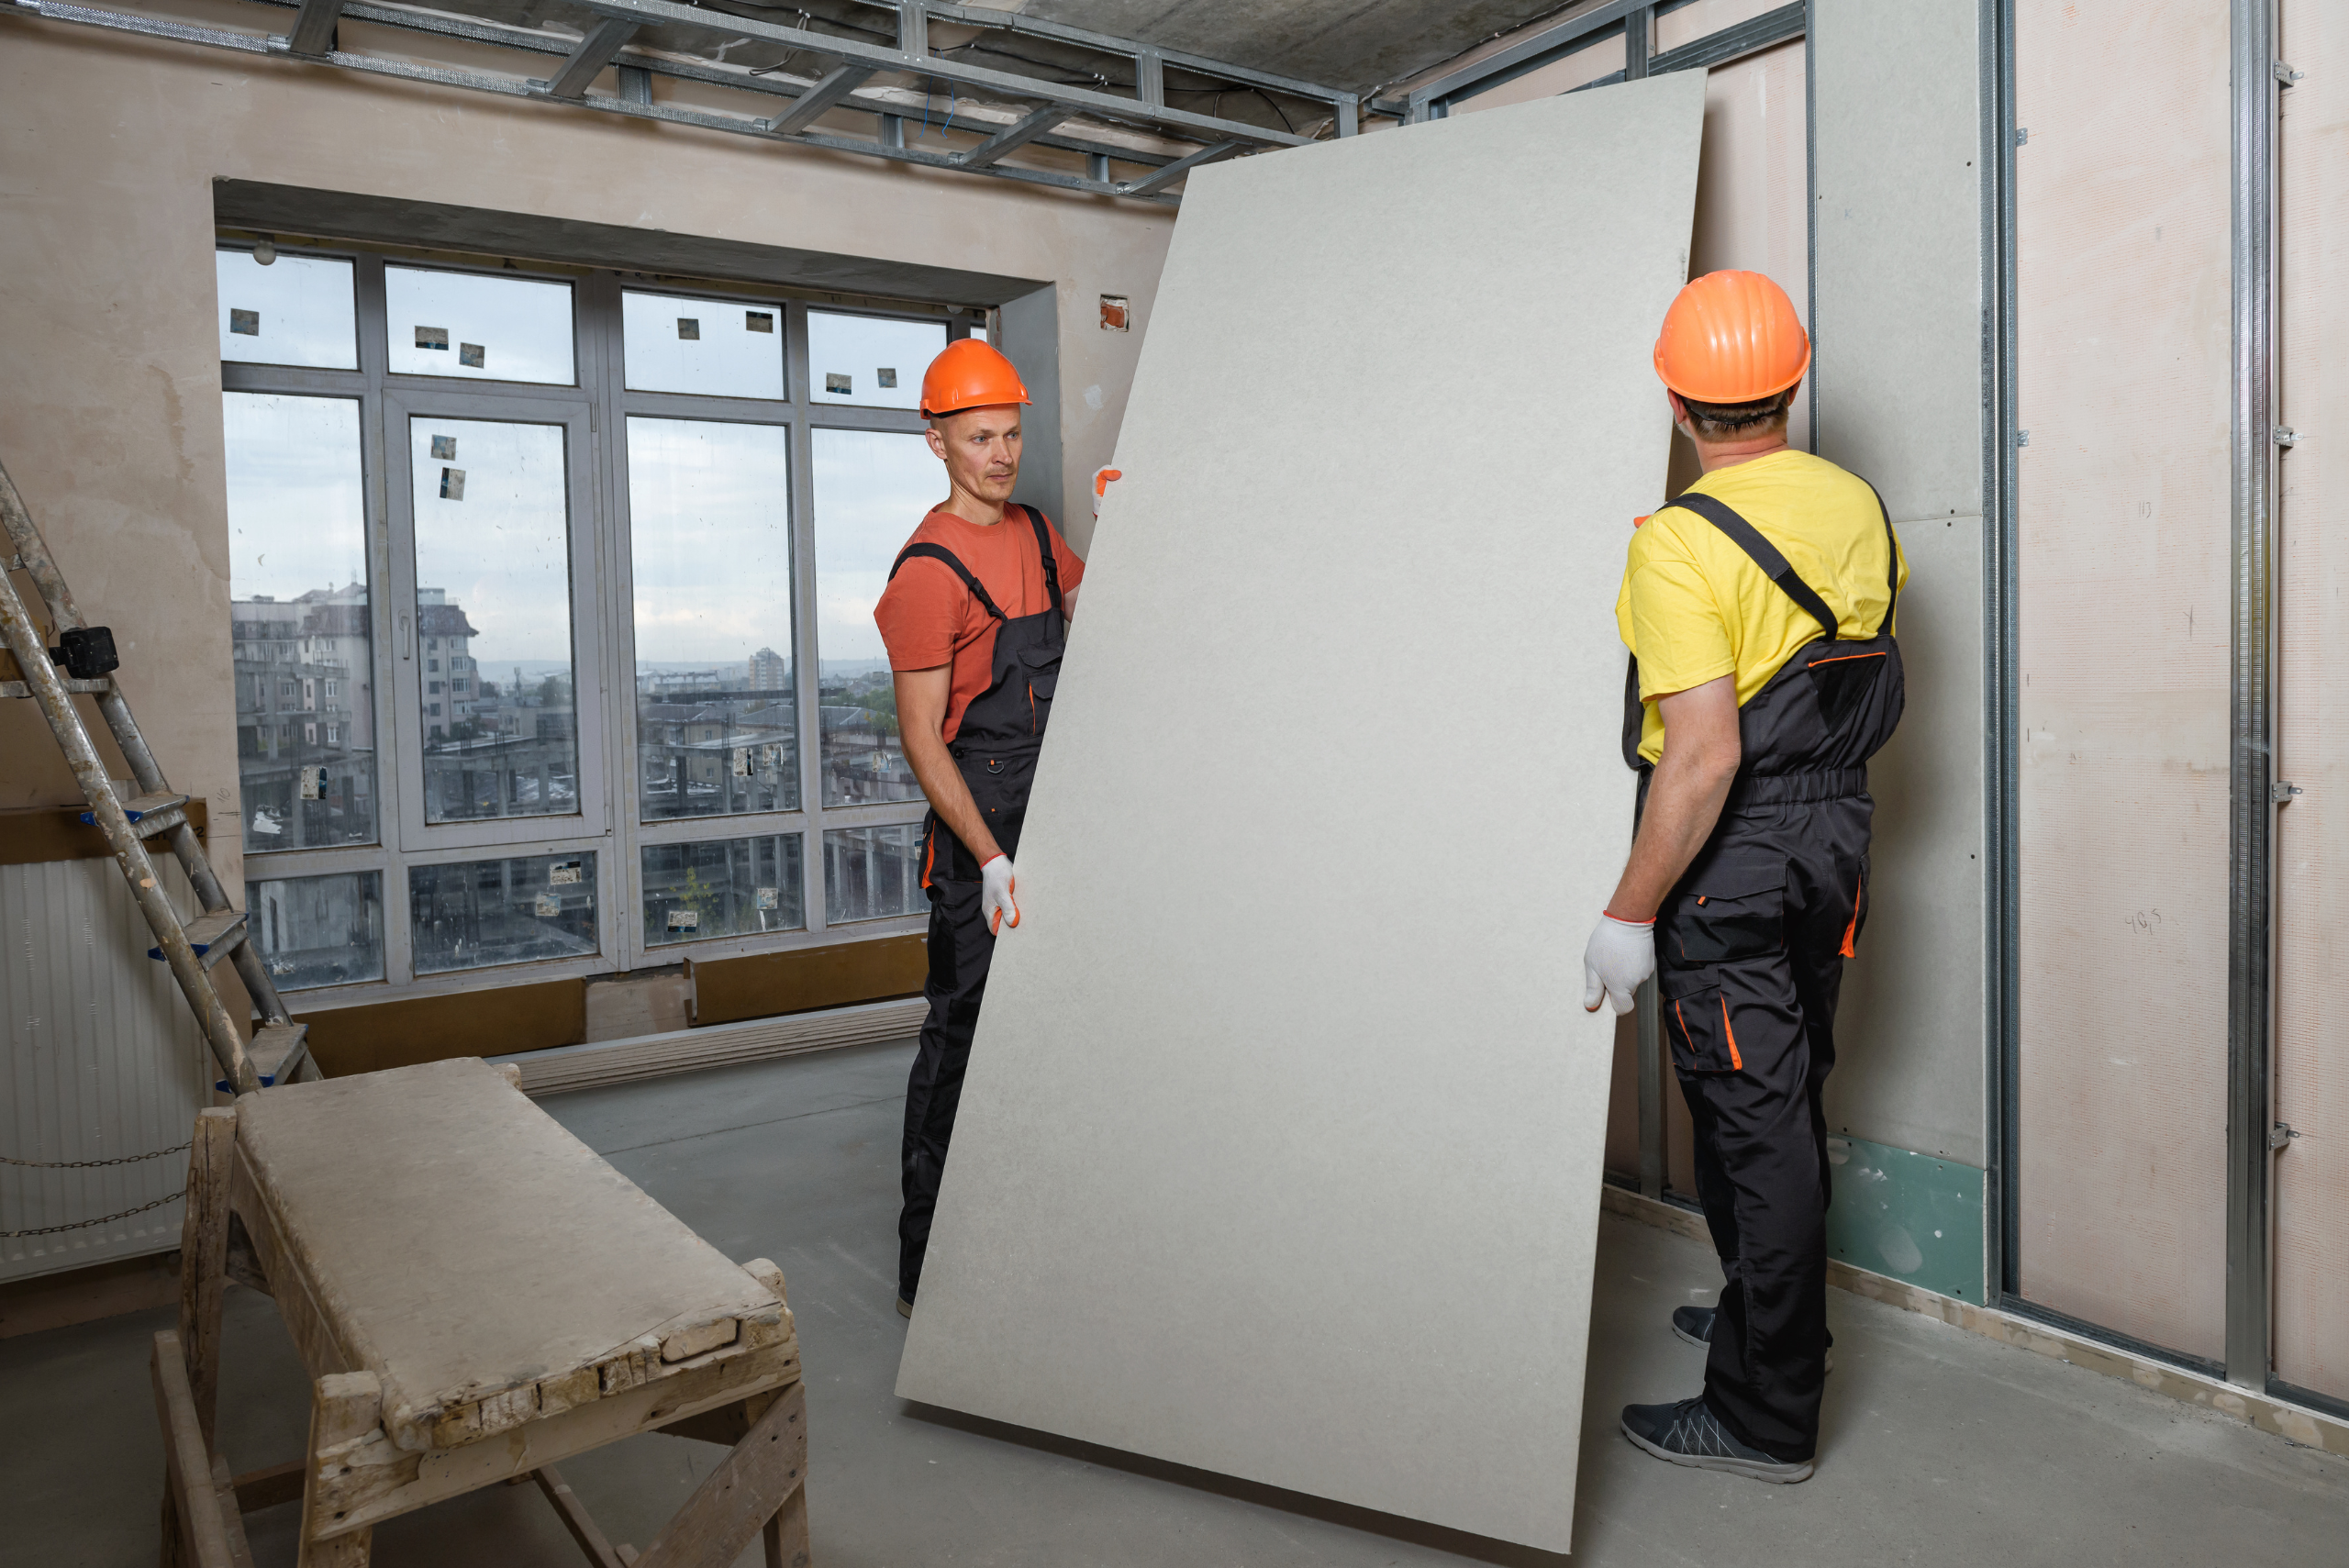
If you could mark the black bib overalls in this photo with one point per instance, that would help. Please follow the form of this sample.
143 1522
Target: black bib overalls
1749 950
995 749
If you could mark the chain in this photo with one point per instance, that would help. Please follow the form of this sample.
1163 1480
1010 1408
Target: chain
87 1166
102 1219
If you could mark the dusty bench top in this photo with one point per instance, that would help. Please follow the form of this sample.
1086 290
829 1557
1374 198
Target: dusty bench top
486 1265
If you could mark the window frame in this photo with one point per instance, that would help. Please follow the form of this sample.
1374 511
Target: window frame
595 413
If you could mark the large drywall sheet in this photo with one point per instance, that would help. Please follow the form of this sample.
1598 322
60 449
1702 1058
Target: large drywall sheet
2311 1248
2122 273
1898 399
1279 1154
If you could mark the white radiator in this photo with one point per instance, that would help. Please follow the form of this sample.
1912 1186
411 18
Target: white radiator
103 1059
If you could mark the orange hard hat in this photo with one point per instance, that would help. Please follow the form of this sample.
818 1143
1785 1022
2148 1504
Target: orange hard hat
969 374
1731 338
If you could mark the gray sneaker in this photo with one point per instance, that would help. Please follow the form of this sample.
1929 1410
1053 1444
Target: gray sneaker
1689 1433
1694 1324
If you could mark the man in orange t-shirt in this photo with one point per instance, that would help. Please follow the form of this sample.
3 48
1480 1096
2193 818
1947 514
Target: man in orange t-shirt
974 619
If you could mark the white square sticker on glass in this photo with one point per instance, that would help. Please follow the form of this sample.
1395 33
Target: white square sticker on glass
714 348
477 326
297 310
876 361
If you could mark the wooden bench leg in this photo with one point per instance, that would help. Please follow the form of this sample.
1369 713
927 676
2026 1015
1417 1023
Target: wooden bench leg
204 1257
346 1406
753 1488
786 1534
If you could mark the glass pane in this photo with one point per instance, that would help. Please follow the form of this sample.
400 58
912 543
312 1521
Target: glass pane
317 931
716 717
735 888
479 913
298 310
478 327
871 874
872 489
720 348
493 620
870 360
298 621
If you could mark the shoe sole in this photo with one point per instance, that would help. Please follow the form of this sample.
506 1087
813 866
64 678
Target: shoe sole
904 1308
1685 1337
1770 1471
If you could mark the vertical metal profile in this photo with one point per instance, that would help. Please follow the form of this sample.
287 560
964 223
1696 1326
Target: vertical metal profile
1811 200
2002 677
2252 773
1639 30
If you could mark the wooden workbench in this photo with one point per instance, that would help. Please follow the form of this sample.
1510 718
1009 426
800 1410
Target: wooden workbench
476 1296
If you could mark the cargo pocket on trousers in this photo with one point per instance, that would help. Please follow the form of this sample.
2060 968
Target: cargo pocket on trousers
1698 1029
1728 912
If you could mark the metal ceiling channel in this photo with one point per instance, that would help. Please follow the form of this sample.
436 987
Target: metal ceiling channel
1051 120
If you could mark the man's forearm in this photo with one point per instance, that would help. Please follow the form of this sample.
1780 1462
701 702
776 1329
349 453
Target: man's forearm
1684 803
941 781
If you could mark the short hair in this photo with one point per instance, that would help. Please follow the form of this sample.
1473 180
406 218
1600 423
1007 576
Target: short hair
1727 421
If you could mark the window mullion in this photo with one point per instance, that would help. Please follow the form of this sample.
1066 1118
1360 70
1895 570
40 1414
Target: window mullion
803 621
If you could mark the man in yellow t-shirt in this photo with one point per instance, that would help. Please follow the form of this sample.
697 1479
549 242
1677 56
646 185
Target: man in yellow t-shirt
1759 610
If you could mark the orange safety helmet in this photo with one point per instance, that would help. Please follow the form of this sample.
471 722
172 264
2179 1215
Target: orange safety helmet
969 374
1731 338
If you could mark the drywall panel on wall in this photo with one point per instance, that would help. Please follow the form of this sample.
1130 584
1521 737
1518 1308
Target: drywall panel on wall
1898 373
1280 1085
103 1059
1899 370
2311 991
1910 1037
2122 593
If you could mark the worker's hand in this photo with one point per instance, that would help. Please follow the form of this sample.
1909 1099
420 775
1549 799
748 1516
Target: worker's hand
1101 477
1620 955
996 885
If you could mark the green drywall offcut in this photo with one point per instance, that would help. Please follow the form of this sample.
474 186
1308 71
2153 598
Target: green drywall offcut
1913 1216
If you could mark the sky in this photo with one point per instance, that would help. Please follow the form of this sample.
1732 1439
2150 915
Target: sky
872 489
711 540
502 552
296 514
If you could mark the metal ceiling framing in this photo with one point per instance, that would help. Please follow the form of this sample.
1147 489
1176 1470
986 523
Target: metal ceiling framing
1071 116
1633 18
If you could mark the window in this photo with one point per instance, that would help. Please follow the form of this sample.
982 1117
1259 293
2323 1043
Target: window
443 699
298 569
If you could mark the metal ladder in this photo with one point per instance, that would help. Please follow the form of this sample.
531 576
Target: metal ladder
280 1049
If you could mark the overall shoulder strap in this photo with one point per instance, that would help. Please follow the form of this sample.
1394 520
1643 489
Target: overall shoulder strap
1891 558
1764 554
1044 547
940 553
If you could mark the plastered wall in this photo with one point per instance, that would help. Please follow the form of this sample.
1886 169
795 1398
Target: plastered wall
110 414
1896 390
2122 279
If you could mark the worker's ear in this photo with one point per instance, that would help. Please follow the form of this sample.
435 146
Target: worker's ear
937 443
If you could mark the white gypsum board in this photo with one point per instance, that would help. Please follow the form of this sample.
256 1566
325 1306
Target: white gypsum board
1279 1151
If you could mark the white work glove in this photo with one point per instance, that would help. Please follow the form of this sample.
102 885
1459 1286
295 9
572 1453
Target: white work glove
995 887
1101 477
1621 955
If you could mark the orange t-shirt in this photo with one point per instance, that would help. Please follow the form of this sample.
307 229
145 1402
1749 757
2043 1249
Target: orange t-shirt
927 617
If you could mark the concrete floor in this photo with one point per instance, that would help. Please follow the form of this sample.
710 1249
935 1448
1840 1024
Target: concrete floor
1940 1447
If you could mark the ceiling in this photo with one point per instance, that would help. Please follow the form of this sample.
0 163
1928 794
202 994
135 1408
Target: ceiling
1336 43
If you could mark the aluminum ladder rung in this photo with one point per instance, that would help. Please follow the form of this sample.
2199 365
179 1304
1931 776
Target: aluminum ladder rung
277 1052
96 688
140 806
214 936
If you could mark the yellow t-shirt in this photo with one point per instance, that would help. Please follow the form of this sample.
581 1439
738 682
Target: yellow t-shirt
1695 608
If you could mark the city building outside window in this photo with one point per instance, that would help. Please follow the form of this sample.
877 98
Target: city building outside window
649 559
